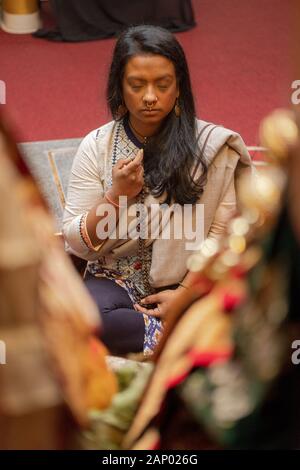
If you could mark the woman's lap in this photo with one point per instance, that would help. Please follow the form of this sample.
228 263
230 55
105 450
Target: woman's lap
123 328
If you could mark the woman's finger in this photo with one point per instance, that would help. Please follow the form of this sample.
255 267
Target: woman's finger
136 162
128 172
151 299
140 173
156 312
153 312
138 308
122 163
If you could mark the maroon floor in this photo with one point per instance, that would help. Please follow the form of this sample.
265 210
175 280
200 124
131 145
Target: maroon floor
238 56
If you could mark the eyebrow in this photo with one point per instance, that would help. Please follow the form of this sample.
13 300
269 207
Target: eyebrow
132 77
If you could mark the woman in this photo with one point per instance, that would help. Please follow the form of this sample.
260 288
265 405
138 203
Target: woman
155 151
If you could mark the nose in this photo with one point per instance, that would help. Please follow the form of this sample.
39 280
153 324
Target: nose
149 97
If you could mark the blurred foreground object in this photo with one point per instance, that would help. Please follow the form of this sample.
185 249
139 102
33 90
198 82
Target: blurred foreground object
108 427
225 371
47 323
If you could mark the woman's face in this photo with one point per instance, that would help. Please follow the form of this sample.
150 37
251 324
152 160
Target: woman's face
149 80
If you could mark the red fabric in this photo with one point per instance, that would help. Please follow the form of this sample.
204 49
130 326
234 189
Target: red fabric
199 359
231 301
238 58
205 359
174 381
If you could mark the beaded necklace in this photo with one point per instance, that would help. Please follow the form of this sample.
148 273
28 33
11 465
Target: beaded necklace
141 213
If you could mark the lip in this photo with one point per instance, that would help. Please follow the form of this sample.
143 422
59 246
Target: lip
150 111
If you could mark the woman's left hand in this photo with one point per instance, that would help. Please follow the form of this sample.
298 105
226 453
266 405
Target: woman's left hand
162 299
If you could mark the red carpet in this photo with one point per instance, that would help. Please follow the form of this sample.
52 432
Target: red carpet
238 56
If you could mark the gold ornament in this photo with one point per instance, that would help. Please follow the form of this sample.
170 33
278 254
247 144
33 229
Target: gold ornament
177 108
199 260
122 110
278 132
261 194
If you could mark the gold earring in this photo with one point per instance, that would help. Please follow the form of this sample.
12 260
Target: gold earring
177 109
121 111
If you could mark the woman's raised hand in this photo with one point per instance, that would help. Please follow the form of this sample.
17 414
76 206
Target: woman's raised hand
128 176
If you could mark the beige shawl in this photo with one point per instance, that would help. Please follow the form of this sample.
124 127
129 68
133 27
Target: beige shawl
227 157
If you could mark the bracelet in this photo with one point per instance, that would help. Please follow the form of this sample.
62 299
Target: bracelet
85 236
112 202
83 232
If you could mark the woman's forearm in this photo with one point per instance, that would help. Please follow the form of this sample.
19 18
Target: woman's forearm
105 207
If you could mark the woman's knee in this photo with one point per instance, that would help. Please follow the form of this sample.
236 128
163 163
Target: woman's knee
123 331
108 295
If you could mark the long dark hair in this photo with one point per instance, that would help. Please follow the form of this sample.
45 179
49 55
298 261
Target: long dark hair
170 155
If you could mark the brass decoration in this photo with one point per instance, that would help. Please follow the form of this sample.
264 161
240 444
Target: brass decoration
20 7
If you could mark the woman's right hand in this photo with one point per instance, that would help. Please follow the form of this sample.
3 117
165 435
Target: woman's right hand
128 177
